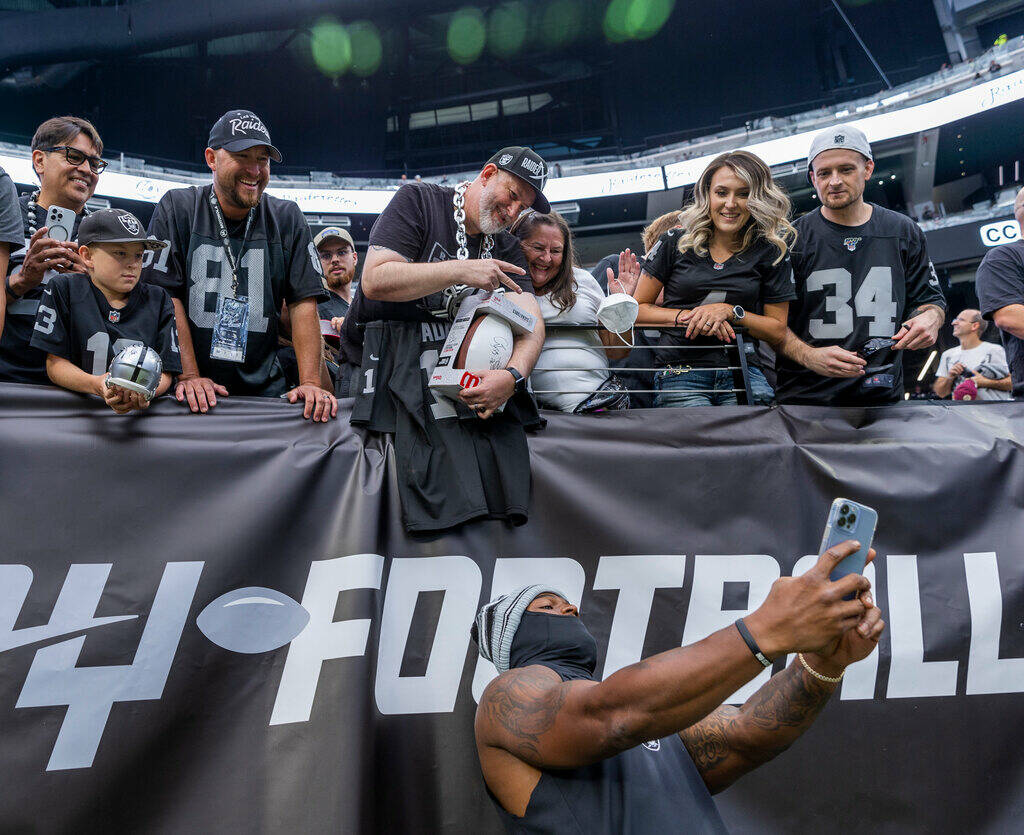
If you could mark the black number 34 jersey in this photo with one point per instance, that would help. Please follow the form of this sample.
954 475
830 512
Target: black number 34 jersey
855 283
74 321
277 264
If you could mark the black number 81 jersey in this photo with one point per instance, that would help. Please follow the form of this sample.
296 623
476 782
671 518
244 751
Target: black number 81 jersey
855 283
277 264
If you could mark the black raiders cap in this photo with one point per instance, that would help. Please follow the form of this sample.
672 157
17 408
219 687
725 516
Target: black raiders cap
528 166
238 130
114 226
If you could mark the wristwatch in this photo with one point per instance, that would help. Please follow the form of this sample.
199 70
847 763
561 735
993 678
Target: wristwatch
738 313
520 380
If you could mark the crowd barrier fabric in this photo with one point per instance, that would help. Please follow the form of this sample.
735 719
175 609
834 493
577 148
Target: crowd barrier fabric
218 624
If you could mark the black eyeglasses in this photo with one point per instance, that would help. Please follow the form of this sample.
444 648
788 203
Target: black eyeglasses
76 158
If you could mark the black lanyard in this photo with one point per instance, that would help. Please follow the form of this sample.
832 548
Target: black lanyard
222 228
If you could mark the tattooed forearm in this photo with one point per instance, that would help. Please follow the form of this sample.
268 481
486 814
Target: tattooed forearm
732 741
377 248
790 700
523 704
707 741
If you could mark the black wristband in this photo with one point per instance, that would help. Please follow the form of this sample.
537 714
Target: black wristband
748 639
9 289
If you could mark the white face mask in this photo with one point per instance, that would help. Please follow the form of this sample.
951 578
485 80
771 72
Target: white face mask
617 313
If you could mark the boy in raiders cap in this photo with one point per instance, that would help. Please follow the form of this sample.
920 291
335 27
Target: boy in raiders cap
83 322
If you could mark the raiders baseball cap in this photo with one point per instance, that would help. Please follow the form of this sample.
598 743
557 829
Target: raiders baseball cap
841 137
333 232
238 130
114 226
528 166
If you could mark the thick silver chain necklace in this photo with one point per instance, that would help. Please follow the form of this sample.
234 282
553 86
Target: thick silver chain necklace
459 201
452 296
33 221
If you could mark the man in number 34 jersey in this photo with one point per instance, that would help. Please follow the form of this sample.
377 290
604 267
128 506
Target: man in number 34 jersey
862 272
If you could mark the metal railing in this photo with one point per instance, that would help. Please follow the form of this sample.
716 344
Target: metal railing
741 371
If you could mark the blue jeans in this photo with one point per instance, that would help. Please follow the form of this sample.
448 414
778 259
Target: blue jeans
706 387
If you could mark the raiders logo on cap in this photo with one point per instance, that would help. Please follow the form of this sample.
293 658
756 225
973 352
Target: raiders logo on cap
529 167
238 130
131 225
839 139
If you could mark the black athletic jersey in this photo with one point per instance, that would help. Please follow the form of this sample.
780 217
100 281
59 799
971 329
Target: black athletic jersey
278 264
452 466
75 321
1000 282
750 279
419 225
652 789
855 283
332 307
19 361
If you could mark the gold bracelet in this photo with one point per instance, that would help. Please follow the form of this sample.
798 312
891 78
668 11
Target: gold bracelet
818 675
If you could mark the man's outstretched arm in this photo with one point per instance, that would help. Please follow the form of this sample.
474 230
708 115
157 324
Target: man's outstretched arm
731 741
530 713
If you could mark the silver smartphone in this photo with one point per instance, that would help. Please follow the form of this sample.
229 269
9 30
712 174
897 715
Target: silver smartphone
60 223
848 519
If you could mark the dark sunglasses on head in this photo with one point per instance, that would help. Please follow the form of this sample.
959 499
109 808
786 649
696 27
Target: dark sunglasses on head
76 158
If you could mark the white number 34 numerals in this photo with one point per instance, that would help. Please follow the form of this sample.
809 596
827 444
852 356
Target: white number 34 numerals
873 301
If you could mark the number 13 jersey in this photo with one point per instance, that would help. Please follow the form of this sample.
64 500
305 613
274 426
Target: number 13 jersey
276 263
855 283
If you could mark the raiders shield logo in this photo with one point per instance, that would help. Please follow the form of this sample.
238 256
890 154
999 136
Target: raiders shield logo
130 224
653 745
114 316
505 159
851 243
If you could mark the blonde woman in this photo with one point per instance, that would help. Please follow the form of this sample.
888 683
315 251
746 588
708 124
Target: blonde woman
728 264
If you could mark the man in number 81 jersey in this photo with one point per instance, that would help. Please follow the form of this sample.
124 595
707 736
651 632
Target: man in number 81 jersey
235 255
862 273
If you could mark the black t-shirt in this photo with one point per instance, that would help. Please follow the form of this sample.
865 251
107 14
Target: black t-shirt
19 361
75 321
749 279
333 307
1000 282
855 283
419 225
278 264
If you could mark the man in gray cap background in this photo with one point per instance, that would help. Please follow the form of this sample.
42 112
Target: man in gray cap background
338 259
235 256
863 276
644 750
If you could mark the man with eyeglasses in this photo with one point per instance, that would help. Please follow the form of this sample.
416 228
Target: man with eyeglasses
66 157
983 363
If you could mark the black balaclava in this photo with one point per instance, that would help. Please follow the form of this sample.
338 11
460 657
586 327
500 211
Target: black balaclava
560 642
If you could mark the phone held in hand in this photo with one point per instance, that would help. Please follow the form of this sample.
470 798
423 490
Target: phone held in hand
848 519
60 223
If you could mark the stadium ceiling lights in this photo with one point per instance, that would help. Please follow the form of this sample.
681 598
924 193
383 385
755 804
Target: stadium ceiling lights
914 119
787 149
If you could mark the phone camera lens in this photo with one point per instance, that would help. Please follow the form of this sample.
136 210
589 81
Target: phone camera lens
842 521
844 509
853 518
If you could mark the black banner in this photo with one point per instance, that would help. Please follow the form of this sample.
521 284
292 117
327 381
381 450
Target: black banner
217 623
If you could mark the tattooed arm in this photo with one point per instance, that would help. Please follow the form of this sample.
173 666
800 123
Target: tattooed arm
544 722
732 741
